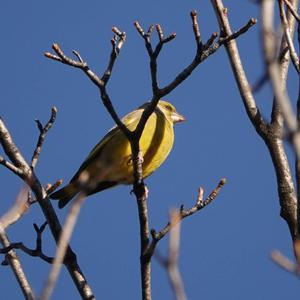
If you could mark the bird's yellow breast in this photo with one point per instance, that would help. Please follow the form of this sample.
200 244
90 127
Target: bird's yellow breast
114 161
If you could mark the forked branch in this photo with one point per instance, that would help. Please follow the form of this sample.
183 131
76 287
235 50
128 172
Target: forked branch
28 175
183 213
37 252
203 51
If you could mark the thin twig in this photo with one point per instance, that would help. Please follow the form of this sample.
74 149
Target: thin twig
284 22
285 263
37 252
43 131
12 151
52 187
259 83
10 166
242 30
196 29
100 83
292 10
200 204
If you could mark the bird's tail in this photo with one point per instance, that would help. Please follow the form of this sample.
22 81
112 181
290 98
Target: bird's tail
65 194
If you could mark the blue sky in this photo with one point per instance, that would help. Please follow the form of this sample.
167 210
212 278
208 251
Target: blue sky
225 248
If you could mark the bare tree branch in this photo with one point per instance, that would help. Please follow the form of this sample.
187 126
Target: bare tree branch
19 208
62 246
281 96
285 263
271 133
52 187
30 178
43 131
11 257
284 22
200 204
171 262
203 51
292 10
37 252
238 70
15 264
117 43
10 166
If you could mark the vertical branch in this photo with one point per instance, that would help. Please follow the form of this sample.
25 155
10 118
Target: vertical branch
281 97
284 62
270 133
238 70
62 247
145 260
172 264
297 162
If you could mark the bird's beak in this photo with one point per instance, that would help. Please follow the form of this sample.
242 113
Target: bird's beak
176 117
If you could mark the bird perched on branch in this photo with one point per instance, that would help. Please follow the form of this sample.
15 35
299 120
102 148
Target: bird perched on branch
110 162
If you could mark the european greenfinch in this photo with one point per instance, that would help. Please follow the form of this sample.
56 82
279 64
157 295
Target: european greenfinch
110 162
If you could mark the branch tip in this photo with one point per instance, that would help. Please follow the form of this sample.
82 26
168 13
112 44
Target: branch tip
253 21
55 47
48 54
200 195
139 28
117 31
193 14
171 37
54 110
222 181
150 29
159 32
39 125
77 54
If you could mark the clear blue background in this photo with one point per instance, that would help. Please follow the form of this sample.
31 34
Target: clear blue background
225 248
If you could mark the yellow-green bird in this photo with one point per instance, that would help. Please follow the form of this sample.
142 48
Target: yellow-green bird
110 163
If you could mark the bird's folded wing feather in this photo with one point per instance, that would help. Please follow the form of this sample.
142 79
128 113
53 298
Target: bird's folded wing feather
130 120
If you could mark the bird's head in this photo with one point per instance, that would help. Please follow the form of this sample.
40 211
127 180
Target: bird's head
170 111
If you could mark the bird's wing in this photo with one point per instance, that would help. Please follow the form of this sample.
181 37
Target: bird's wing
130 120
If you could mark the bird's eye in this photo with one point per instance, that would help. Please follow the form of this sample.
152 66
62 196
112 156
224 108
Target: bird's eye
169 107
